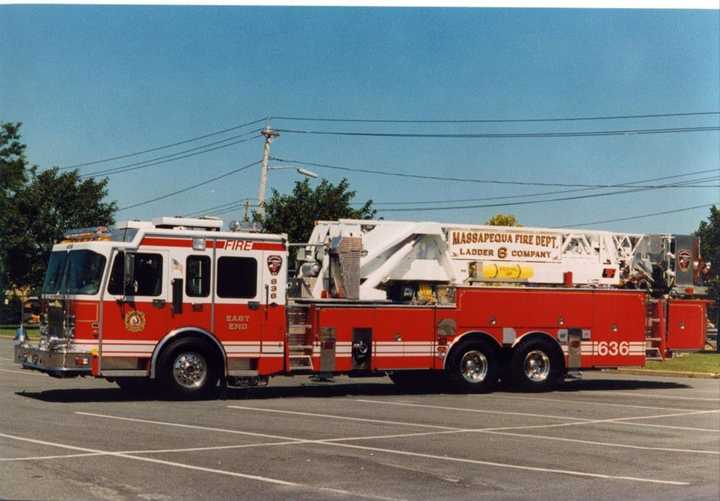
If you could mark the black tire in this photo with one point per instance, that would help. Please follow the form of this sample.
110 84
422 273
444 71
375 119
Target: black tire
188 369
474 367
537 365
417 381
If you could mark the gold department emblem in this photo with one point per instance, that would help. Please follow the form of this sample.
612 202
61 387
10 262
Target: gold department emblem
135 321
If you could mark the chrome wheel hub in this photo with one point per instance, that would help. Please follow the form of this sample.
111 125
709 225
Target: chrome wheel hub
190 370
537 366
474 367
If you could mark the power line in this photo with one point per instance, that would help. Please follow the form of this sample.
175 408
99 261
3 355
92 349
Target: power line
557 192
461 179
228 205
524 202
165 146
183 190
494 120
197 150
503 135
235 204
387 121
230 209
639 216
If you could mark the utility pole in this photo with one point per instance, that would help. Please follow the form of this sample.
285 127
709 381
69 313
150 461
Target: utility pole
269 134
246 211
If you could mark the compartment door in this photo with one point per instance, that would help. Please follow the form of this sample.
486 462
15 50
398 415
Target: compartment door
686 325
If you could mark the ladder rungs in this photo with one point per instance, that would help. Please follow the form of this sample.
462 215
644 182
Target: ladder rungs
300 331
301 362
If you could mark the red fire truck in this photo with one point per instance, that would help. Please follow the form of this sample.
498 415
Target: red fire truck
180 304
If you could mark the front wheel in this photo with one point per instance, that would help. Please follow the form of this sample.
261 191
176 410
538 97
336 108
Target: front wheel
187 370
474 367
536 366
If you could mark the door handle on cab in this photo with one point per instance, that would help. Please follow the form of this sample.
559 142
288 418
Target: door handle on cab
158 303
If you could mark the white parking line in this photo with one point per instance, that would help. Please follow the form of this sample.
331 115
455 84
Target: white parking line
338 443
670 397
193 467
578 420
502 430
466 409
626 421
213 447
348 418
602 444
284 440
180 425
513 466
614 421
287 442
61 456
590 402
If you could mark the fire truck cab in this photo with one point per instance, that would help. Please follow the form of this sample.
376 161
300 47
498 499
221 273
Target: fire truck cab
174 300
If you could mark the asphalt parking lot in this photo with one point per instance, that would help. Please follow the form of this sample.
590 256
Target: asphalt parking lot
606 436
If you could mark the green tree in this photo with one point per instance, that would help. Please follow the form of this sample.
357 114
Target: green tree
295 214
12 160
39 207
503 220
12 177
709 233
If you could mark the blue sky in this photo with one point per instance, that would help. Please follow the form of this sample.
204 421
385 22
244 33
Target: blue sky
95 82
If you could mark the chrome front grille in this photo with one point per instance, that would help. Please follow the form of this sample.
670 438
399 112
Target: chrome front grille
56 322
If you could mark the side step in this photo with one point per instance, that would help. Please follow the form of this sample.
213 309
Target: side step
301 363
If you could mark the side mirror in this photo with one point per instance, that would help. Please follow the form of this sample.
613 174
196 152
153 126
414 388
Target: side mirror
128 274
177 295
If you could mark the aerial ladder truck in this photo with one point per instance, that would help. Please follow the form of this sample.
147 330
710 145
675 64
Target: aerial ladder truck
182 304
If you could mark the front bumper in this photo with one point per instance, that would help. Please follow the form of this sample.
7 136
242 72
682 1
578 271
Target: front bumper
58 362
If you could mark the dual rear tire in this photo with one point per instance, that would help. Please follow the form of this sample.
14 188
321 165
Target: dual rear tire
476 366
536 365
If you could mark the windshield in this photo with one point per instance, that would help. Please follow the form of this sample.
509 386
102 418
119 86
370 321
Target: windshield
74 272
54 274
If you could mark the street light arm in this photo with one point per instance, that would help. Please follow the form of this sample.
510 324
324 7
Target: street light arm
299 170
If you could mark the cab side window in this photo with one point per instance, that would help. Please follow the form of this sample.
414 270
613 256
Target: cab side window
237 277
146 280
197 269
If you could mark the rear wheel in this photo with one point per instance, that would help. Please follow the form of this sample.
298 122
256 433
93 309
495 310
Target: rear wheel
474 367
536 366
187 370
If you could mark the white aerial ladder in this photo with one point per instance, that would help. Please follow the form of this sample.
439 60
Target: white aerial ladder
380 260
